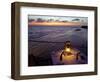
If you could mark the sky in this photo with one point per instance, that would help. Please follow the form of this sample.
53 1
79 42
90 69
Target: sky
60 18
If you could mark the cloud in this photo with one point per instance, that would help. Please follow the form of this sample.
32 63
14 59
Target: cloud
76 19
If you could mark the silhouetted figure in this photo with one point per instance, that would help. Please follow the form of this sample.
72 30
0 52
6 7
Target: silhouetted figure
61 55
77 55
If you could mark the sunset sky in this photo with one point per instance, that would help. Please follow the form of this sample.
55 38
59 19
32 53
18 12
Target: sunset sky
56 20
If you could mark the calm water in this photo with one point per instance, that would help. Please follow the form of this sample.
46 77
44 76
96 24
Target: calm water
58 34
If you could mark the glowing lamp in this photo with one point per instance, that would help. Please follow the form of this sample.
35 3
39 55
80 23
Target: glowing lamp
67 48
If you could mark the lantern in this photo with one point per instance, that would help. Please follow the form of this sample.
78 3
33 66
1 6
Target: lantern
67 48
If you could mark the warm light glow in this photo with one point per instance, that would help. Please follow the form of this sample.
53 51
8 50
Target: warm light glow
55 23
69 58
67 49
